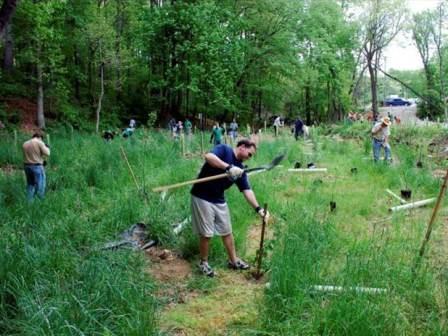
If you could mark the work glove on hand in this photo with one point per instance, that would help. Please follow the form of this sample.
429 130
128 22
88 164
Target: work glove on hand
262 213
234 172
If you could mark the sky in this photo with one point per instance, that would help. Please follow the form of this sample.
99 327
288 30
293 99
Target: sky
402 54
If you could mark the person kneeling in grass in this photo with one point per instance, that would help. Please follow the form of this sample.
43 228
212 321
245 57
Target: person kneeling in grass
210 213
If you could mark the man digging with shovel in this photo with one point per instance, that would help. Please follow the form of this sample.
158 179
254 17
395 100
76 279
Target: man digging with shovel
210 213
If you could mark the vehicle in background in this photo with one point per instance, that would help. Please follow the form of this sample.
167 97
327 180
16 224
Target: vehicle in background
397 102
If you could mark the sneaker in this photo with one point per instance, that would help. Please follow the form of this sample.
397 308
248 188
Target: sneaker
205 268
238 265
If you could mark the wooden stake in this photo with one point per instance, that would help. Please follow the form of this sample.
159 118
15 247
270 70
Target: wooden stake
182 143
130 168
433 218
202 142
260 250
48 140
15 139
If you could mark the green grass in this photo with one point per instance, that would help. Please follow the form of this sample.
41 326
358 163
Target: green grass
55 281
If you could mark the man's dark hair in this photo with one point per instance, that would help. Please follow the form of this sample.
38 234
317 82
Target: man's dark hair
246 143
38 134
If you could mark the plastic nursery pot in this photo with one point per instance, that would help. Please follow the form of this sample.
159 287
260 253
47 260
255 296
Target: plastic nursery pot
332 206
354 170
406 193
297 165
419 164
311 165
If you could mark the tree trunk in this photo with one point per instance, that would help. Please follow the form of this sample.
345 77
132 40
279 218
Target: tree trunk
373 81
40 98
77 84
100 99
308 104
6 12
8 51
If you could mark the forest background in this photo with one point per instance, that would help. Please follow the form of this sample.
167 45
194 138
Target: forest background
96 64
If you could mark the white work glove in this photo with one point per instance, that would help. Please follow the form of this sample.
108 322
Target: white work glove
262 212
234 172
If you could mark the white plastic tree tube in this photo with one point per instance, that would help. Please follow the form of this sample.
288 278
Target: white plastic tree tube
307 170
402 201
357 289
412 205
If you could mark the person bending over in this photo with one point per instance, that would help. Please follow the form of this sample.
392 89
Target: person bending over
210 213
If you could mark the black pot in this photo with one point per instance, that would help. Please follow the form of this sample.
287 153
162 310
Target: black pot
354 170
297 165
406 193
311 165
419 164
332 206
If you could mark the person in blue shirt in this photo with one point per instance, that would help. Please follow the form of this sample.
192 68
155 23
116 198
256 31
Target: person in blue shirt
210 213
298 128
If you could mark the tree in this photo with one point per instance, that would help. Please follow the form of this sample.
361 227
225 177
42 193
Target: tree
6 12
384 19
427 34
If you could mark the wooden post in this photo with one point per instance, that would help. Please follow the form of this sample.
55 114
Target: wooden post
433 218
182 143
15 139
265 126
202 142
130 168
260 250
48 140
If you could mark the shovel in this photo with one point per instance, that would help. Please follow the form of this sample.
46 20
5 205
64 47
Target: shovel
269 166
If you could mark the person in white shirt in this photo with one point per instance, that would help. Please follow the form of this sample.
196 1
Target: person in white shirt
277 124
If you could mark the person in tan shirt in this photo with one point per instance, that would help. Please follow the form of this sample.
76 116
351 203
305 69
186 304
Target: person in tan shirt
34 153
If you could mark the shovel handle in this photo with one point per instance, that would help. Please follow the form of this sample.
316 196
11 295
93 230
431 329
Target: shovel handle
201 180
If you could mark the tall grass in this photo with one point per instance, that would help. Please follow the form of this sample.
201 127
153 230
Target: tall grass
359 244
54 279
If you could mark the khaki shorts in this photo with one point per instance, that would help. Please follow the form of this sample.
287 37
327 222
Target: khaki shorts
209 219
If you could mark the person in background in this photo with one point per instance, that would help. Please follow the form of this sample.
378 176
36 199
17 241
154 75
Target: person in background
217 134
298 128
277 124
108 135
132 123
179 129
380 134
35 151
210 213
188 127
233 130
172 125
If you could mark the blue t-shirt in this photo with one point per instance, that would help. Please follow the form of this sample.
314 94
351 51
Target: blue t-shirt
213 191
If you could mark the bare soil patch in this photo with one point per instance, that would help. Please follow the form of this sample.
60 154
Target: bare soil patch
167 266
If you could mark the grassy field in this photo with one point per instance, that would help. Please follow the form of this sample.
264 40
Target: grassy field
55 279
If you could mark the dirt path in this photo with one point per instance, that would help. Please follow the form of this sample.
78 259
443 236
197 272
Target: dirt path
196 305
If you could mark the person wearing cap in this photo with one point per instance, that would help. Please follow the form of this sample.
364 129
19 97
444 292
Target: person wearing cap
34 152
380 134
210 213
